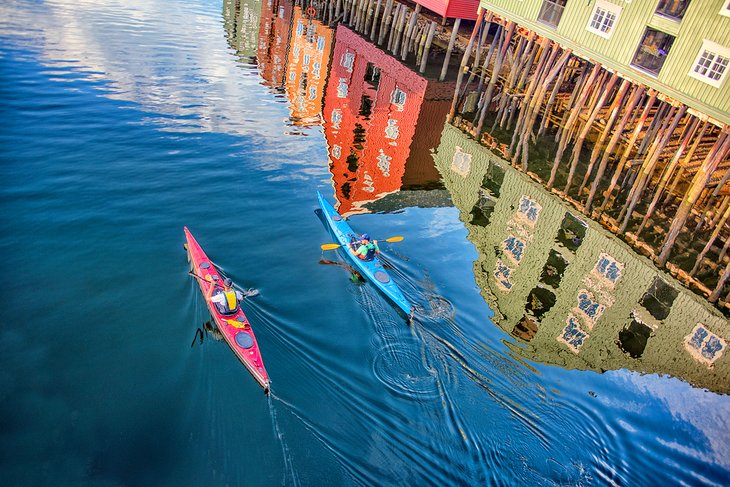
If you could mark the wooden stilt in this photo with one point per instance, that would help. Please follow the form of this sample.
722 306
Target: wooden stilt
629 147
465 60
668 172
509 31
450 49
398 36
490 52
393 24
605 91
574 113
613 111
427 47
700 180
720 284
647 168
385 19
374 26
551 101
713 237
409 31
618 131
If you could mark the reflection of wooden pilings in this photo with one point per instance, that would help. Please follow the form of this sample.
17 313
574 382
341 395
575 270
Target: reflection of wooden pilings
720 284
465 60
450 49
702 177
408 34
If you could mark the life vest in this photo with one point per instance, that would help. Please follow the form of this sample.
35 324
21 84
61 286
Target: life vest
371 251
231 299
230 304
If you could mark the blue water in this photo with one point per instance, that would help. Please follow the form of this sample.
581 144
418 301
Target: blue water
122 122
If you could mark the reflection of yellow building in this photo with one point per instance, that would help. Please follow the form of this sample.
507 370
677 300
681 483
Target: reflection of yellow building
310 44
242 26
577 297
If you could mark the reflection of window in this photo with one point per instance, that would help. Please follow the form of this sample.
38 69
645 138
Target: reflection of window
372 75
704 345
604 18
573 335
348 59
336 151
674 9
608 268
653 51
336 118
398 98
320 43
392 131
711 63
312 92
342 88
300 28
315 69
306 59
725 10
551 11
461 162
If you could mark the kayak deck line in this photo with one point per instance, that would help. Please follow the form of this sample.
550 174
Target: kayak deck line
235 328
373 269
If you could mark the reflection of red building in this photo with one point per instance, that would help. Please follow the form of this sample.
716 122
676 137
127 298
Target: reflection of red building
378 113
273 41
310 44
456 9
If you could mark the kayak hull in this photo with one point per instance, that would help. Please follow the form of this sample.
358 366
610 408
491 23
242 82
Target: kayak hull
373 270
235 328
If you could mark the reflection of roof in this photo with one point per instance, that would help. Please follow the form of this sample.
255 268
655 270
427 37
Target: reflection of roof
433 198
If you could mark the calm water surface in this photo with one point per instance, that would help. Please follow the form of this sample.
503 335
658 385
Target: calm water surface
124 121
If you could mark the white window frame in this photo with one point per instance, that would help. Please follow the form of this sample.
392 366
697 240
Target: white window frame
717 50
725 10
607 7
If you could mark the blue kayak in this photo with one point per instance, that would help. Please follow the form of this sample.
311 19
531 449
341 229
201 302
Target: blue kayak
371 269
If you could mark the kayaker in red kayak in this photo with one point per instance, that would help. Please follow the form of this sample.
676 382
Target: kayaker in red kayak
225 300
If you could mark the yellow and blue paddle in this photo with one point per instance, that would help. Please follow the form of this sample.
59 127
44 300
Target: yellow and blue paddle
332 246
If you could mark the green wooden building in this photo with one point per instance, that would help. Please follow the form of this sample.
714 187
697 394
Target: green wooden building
681 48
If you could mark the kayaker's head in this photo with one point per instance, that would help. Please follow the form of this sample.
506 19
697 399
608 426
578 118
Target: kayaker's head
365 237
227 282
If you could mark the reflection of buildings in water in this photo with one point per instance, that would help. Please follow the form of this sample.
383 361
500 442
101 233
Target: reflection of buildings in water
580 298
273 41
380 120
310 43
241 21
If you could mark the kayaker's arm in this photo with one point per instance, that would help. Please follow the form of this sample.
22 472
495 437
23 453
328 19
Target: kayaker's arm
209 293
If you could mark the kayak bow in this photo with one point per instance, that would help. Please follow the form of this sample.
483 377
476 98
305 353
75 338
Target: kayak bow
373 269
235 328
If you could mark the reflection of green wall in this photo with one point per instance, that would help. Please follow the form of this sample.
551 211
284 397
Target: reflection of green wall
664 353
242 25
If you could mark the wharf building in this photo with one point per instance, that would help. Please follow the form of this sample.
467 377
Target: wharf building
622 108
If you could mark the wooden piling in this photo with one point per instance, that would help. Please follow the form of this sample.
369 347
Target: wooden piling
450 49
510 29
713 237
465 60
629 148
574 113
374 22
605 91
427 47
700 180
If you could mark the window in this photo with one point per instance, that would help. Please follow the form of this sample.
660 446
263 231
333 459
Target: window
347 60
398 98
725 10
711 63
674 9
652 51
551 11
604 19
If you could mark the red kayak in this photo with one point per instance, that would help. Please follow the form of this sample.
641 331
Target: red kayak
235 328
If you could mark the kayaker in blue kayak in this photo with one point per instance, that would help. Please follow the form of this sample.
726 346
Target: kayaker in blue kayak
367 250
225 300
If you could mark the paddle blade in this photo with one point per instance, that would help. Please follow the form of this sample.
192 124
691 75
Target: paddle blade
331 246
397 238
